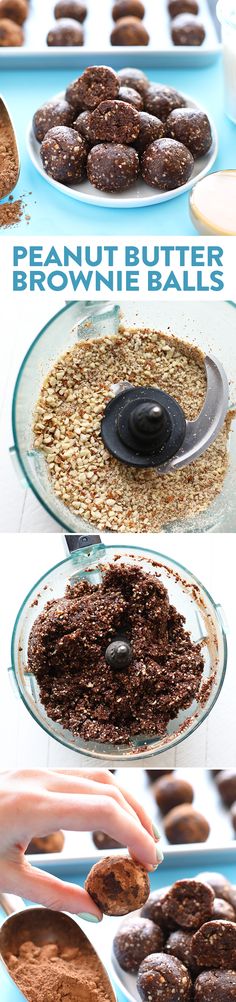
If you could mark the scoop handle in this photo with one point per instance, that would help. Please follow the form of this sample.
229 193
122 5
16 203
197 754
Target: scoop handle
10 904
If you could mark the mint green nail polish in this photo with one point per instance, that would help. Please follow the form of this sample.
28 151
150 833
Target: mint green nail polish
88 917
156 832
159 854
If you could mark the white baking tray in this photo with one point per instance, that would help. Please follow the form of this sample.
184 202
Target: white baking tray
97 48
80 845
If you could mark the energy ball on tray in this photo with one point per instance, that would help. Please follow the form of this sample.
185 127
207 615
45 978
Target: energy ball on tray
112 167
215 986
214 945
52 113
64 154
176 7
82 124
154 774
160 100
131 96
166 164
226 783
233 815
187 30
70 8
184 825
189 903
118 885
129 31
179 945
130 77
114 122
136 940
103 841
163 979
153 908
65 32
125 7
16 10
170 791
150 128
96 84
11 34
191 127
46 843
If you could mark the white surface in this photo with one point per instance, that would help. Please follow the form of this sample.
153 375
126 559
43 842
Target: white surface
139 193
26 557
97 37
209 325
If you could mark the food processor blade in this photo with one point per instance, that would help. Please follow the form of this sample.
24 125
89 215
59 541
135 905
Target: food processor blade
202 432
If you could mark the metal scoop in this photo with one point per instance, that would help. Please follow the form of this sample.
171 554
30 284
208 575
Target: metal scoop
42 926
145 427
6 186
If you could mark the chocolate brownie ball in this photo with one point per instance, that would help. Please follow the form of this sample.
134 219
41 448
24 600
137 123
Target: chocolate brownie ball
114 122
184 825
46 843
220 885
226 783
131 96
50 114
118 885
154 774
189 903
215 986
72 9
176 7
179 945
130 77
191 127
166 164
125 7
103 841
129 31
112 167
150 128
187 30
160 100
82 124
214 945
16 10
163 979
64 155
64 33
136 940
97 83
11 34
223 910
170 791
153 908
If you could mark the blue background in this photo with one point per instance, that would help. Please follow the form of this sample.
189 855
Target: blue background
53 213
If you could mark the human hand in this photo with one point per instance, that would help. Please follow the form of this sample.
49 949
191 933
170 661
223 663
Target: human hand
38 802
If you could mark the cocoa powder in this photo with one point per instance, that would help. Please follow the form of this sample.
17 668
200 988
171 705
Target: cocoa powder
61 975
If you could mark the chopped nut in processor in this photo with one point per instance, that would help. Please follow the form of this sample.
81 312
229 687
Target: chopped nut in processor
67 429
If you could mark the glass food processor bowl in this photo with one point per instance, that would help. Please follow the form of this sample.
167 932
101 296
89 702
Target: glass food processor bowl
203 620
200 324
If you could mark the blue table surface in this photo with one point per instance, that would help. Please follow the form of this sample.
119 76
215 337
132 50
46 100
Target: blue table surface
55 214
172 869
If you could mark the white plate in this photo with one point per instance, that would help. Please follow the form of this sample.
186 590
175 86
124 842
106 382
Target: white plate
140 193
160 50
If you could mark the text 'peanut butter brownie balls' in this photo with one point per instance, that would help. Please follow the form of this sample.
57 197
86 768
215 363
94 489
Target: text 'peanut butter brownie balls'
125 111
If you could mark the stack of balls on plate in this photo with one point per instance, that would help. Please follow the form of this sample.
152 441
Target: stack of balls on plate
13 14
182 823
69 16
129 28
182 947
112 127
186 28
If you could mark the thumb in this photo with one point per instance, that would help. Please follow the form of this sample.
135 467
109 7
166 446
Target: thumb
45 889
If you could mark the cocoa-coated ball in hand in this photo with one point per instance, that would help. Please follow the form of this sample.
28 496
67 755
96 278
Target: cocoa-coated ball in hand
118 885
129 31
112 167
191 127
184 825
124 8
166 164
64 155
72 9
170 791
136 940
65 32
